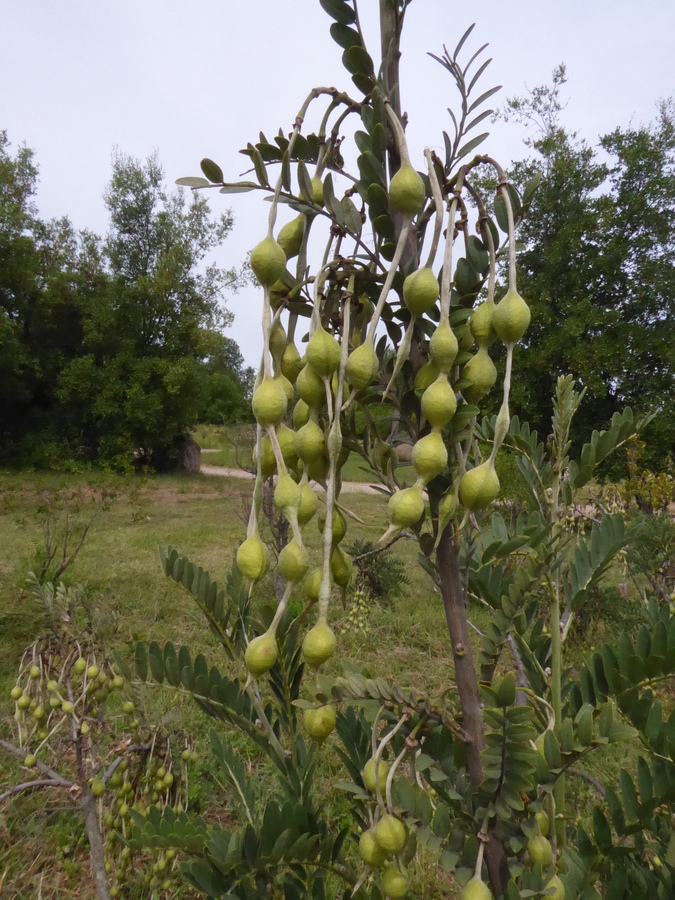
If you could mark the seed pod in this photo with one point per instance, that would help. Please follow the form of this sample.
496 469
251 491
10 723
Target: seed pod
286 438
300 414
406 507
439 403
291 362
443 347
406 191
286 493
420 291
362 366
480 370
308 504
268 262
291 235
323 353
269 402
252 558
390 834
309 442
261 654
426 376
319 645
429 456
341 567
511 318
293 562
268 461
311 388
319 723
479 487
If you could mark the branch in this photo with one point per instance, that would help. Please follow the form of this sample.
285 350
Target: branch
58 779
589 778
29 785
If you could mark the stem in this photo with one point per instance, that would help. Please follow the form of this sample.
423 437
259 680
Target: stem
447 262
386 287
512 236
454 601
438 201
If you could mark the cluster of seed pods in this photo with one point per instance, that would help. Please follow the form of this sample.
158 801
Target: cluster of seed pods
329 377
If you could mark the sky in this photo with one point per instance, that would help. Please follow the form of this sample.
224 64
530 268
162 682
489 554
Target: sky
202 78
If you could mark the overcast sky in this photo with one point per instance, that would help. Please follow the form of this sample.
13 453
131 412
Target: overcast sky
201 78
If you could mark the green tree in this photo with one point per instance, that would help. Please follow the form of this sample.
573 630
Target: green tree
598 267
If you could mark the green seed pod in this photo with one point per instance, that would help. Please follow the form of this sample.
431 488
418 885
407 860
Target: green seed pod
309 442
268 461
286 386
286 493
252 558
309 503
341 567
277 341
406 191
291 363
319 645
293 562
426 376
269 402
369 775
420 291
362 366
475 889
300 415
443 347
429 456
268 262
480 370
481 324
312 584
339 525
390 834
406 507
370 851
310 388
323 353
319 722
539 850
511 318
291 235
395 884
439 403
261 654
286 438
479 487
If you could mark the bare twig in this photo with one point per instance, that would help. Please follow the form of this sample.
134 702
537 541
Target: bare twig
589 778
29 786
17 751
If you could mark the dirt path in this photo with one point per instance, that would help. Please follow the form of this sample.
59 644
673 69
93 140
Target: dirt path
348 487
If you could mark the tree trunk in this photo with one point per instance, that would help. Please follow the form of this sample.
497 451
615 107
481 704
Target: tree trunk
454 601
88 805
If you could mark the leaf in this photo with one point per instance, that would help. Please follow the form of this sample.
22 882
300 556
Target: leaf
259 165
338 10
531 187
483 97
141 661
472 144
212 170
462 40
193 181
344 36
357 61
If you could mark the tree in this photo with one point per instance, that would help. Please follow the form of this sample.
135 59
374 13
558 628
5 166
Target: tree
109 346
598 268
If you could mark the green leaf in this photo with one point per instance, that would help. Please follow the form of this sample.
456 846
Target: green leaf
531 187
357 61
344 36
472 144
212 170
259 165
193 181
141 661
340 11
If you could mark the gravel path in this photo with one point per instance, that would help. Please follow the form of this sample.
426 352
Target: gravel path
348 487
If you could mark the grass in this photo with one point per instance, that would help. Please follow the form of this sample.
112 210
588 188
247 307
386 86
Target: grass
44 846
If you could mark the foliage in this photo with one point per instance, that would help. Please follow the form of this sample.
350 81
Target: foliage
380 573
598 265
109 348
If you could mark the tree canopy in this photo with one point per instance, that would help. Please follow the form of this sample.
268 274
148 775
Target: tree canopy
111 348
598 268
